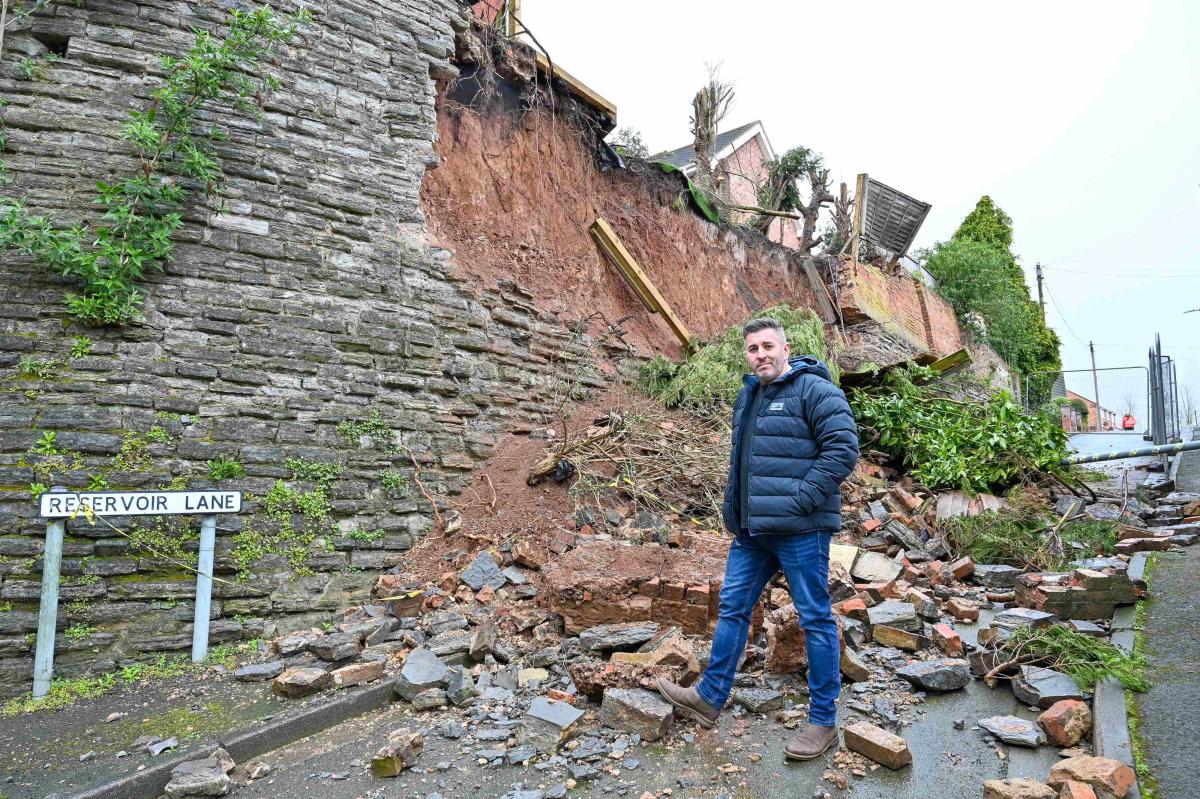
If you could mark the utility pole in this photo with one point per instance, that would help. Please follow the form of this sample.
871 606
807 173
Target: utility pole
1095 386
1041 301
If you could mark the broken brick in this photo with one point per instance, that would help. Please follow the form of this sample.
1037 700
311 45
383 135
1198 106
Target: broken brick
1076 790
871 525
963 610
947 640
962 568
1101 773
877 744
1020 788
854 607
1066 722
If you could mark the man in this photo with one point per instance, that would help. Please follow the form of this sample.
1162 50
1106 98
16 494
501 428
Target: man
794 441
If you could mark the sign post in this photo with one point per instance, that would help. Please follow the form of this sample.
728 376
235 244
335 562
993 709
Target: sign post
43 659
204 567
58 505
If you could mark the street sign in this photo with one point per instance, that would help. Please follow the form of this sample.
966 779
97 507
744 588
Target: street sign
139 503
59 504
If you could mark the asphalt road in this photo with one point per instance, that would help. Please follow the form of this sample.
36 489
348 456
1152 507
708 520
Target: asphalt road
947 763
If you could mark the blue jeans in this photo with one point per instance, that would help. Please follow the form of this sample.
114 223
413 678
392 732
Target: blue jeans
753 561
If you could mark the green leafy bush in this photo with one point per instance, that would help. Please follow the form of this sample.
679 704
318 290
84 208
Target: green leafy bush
37 368
1086 659
394 482
947 443
1021 538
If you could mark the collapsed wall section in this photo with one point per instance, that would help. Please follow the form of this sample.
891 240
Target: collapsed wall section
518 187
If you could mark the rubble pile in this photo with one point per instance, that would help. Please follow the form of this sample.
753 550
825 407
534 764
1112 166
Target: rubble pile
546 652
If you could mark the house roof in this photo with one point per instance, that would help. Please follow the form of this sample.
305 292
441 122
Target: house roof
723 146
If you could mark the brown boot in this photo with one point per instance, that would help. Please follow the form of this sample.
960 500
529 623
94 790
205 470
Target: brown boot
688 701
812 743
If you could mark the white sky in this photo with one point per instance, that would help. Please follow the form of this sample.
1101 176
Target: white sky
1080 119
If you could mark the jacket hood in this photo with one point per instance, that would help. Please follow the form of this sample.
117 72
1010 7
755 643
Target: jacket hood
800 365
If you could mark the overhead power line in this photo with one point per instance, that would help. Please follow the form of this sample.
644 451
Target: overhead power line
1061 315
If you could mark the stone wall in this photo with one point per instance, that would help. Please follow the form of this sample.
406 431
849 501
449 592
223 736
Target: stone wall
307 330
305 302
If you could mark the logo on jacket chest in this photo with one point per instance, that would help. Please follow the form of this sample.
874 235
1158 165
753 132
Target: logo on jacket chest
775 406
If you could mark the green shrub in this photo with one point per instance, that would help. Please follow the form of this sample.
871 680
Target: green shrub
37 368
172 137
394 482
947 443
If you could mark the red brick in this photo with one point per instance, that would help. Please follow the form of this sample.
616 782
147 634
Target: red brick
561 696
1066 722
948 641
907 500
963 610
962 568
877 744
1019 788
1076 790
854 607
870 525
674 591
698 594
649 588
1101 773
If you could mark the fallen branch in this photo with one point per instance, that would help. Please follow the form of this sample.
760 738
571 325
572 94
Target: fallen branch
548 464
1020 660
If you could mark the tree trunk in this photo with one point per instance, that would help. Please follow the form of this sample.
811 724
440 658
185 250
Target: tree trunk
811 211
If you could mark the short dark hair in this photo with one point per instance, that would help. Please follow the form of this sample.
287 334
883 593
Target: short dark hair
764 323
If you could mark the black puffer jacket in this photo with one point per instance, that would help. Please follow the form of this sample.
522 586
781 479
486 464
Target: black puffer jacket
805 443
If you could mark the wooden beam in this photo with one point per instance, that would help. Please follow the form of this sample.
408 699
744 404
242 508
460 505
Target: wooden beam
820 292
952 361
580 88
608 240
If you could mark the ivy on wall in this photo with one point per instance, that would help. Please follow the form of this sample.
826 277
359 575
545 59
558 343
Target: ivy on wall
173 155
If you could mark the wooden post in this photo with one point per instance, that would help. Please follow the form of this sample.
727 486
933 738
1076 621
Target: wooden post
860 214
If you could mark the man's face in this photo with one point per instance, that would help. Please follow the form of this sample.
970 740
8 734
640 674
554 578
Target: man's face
767 353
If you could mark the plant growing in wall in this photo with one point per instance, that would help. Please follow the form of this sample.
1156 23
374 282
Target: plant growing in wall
174 156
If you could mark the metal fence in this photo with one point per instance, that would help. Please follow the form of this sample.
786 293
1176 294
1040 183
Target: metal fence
1164 394
1133 399
1123 394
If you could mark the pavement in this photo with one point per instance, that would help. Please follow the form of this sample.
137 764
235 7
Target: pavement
64 751
1169 723
333 764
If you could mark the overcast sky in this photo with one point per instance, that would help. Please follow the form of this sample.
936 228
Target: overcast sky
1080 119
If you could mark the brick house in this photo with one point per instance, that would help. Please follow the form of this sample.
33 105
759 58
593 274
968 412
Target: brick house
739 166
1108 419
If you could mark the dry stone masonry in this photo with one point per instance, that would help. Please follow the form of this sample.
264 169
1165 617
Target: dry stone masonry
304 297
